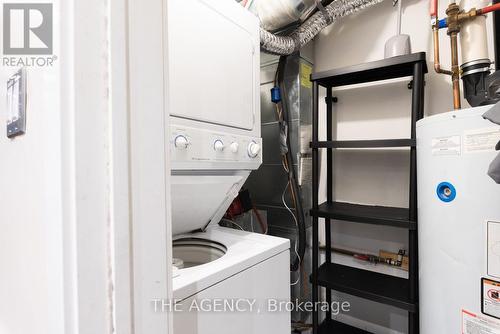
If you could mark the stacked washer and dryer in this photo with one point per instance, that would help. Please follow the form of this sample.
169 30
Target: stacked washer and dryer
215 143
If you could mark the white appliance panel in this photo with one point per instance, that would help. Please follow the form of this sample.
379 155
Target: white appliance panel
456 148
199 199
195 148
214 62
255 283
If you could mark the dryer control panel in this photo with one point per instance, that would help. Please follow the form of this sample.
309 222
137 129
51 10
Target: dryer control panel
195 148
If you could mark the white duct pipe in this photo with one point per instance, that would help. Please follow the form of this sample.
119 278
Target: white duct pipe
473 37
400 13
286 45
275 14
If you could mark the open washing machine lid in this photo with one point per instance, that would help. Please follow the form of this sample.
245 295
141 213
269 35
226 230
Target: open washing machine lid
199 200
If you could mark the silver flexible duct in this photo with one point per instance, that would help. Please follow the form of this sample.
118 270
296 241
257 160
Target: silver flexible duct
276 14
286 45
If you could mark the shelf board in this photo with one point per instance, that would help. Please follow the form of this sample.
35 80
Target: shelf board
365 284
332 326
388 143
365 214
350 261
390 68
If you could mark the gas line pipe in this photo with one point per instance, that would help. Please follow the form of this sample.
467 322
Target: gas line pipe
455 18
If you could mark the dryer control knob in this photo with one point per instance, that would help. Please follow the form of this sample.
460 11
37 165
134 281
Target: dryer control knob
253 150
181 142
219 145
235 147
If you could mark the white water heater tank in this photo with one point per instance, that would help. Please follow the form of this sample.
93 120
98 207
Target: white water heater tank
459 224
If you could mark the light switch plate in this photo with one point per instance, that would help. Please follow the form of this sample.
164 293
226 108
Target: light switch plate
16 104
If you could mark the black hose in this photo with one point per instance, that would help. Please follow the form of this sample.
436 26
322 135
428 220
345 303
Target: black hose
301 224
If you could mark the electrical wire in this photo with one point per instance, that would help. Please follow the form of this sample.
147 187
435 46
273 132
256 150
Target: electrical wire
287 162
292 191
289 187
296 282
284 163
296 224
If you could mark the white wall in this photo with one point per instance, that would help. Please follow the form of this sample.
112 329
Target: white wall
361 37
149 163
54 181
31 240
378 111
92 126
84 194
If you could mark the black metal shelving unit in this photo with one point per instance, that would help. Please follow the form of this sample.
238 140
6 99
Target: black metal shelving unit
390 290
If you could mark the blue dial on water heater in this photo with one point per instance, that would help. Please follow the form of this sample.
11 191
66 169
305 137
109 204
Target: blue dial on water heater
446 192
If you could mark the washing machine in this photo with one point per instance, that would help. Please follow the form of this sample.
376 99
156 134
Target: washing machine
224 279
231 280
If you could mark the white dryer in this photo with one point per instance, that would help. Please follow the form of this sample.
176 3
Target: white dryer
214 106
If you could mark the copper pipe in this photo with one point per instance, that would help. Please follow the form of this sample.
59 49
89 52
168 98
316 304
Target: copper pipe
434 8
455 70
435 33
454 19
437 65
488 9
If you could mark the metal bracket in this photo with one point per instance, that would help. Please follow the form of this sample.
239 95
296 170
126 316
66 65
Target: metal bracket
323 10
334 99
410 84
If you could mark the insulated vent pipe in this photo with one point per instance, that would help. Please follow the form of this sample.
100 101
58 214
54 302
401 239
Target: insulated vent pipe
286 45
276 14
